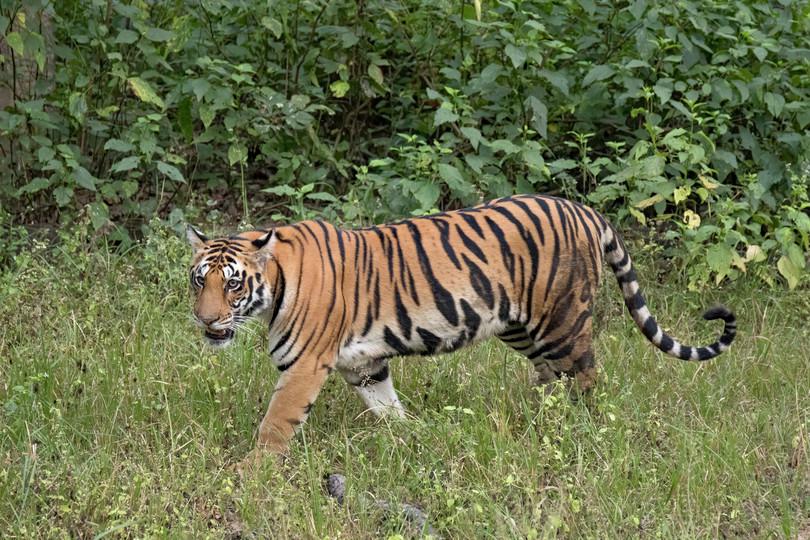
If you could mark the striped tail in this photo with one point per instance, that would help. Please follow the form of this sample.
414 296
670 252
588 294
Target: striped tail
619 260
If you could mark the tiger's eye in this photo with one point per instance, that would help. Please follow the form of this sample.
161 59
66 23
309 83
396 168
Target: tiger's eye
234 284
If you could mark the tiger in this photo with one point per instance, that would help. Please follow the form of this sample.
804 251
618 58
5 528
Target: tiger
523 268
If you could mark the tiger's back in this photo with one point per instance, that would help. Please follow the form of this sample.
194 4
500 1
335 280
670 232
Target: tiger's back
523 268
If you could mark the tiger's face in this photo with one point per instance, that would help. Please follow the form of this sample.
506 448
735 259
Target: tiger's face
229 281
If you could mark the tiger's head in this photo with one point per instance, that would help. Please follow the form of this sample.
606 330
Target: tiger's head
230 281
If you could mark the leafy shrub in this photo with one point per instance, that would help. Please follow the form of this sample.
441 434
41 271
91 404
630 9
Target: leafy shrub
689 115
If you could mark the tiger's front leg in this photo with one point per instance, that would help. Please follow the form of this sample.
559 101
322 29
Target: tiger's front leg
374 385
292 399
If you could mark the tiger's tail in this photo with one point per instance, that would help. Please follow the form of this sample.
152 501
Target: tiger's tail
619 260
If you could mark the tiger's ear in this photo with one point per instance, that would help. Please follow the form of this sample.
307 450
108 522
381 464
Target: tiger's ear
195 238
264 245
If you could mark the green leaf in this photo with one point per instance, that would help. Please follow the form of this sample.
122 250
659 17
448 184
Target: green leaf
452 177
126 164
184 119
516 55
145 92
118 145
37 184
681 194
237 153
503 145
726 157
15 41
652 166
45 154
427 194
127 37
775 103
207 115
339 88
539 116
77 106
473 135
63 195
200 87
282 191
719 258
84 178
99 214
171 171
597 73
789 271
534 159
796 256
444 114
375 73
158 34
273 25
663 89
676 139
557 79
562 165
322 196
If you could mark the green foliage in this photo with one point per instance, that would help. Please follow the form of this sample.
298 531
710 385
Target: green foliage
657 113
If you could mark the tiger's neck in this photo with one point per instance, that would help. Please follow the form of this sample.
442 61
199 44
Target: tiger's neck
316 276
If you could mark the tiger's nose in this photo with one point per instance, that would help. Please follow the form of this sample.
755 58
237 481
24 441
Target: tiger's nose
208 319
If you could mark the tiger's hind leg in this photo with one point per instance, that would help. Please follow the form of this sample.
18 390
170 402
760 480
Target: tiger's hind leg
517 337
376 389
570 355
568 351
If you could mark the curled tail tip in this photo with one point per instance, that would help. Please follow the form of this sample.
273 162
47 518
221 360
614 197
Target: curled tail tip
729 328
719 312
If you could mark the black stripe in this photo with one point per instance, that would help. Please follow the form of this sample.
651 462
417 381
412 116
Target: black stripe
566 229
506 250
378 377
481 285
369 321
444 236
394 342
538 226
376 302
443 299
472 246
649 328
686 353
555 257
471 319
470 220
531 246
635 302
570 335
629 277
278 295
430 340
504 304
402 315
280 343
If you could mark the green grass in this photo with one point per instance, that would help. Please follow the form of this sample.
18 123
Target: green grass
116 420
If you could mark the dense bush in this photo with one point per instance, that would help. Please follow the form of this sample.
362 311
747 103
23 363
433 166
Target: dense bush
689 115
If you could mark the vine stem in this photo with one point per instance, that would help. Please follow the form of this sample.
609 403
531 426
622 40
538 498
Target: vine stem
245 210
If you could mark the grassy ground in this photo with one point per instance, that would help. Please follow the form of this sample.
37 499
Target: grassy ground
116 420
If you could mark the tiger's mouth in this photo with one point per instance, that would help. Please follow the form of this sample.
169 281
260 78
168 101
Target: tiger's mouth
219 338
